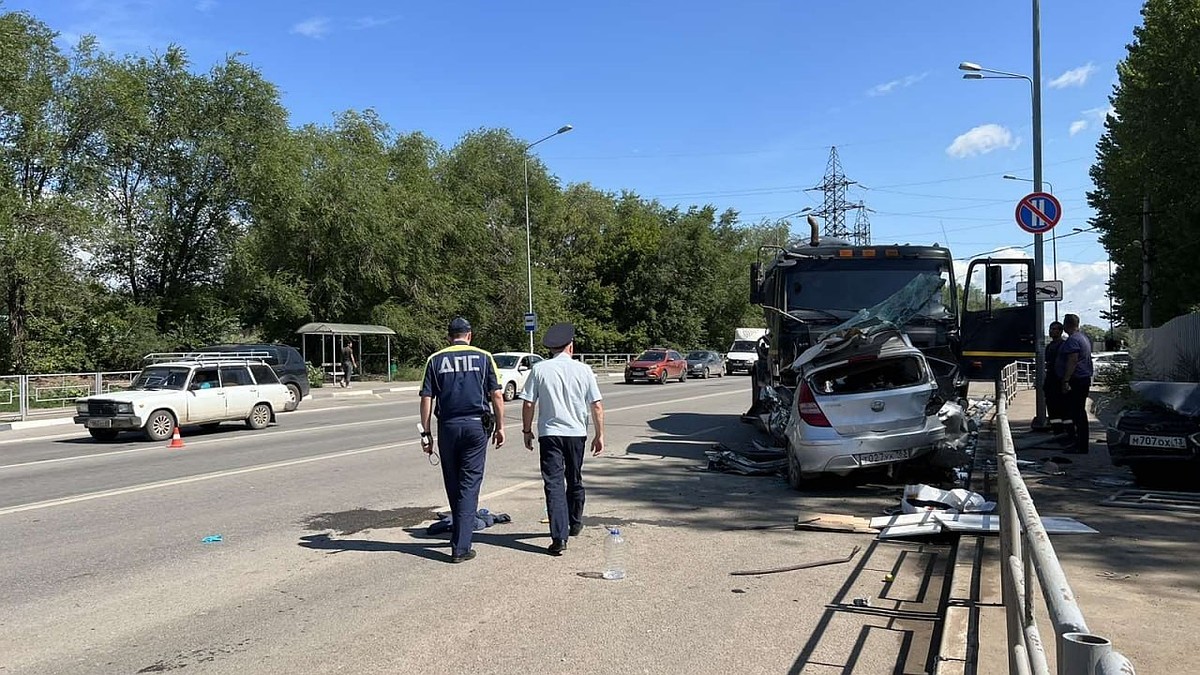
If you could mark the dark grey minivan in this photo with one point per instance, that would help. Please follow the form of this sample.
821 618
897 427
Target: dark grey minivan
285 360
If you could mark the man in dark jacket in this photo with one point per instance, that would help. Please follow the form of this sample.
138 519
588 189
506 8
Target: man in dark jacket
1052 385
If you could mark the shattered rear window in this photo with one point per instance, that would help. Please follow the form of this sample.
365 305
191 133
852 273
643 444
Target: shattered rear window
866 376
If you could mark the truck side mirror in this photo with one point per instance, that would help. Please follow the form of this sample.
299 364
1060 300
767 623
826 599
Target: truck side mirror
756 292
995 279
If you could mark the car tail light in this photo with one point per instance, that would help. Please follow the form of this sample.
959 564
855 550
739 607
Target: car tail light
810 412
1195 439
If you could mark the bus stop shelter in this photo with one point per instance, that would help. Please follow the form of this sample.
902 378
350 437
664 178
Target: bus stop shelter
333 336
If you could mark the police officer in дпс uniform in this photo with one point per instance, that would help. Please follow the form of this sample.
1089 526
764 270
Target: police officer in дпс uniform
463 380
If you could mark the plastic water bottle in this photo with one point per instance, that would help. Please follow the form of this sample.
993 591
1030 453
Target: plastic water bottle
614 554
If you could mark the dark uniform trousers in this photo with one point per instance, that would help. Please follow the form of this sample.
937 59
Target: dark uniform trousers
462 446
1075 407
562 457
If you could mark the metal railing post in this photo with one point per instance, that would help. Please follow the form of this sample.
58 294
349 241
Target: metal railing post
23 396
99 387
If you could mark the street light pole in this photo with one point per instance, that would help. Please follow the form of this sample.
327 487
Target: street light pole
528 238
976 72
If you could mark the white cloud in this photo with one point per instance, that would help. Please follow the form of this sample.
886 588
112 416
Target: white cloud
316 27
889 87
1078 126
206 6
1075 77
1099 114
1092 117
981 140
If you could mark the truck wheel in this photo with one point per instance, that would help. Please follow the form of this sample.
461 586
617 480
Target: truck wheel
159 425
294 397
104 435
260 416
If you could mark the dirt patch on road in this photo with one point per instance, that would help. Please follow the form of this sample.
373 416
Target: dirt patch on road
357 520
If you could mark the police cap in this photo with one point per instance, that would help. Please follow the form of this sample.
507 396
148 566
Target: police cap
559 335
459 326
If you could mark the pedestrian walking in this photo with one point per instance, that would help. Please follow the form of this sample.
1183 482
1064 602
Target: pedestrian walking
461 387
1060 424
1075 369
565 393
348 362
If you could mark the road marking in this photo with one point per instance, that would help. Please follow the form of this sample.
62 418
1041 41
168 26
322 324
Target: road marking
115 492
209 441
63 501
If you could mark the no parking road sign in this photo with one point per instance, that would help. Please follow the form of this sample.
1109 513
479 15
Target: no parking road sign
1038 212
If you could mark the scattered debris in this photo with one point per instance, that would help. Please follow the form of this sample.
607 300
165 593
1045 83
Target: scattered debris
927 498
833 522
990 524
801 566
1155 500
212 539
738 590
906 525
760 461
889 578
861 602
1115 576
1111 482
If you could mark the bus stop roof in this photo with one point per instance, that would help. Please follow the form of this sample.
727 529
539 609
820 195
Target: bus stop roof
326 328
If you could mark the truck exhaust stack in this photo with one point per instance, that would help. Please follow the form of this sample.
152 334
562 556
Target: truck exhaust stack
815 240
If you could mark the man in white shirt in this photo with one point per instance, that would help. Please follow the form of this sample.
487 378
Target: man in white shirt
565 392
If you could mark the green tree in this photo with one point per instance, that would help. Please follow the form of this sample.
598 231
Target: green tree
1148 150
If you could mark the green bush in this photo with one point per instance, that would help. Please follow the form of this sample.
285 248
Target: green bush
316 376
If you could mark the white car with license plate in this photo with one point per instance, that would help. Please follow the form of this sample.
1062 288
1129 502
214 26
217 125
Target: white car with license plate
863 410
202 391
513 369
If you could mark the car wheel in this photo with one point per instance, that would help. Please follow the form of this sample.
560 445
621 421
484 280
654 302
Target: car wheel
704 375
159 425
629 380
510 391
795 478
683 374
662 379
260 416
294 397
104 435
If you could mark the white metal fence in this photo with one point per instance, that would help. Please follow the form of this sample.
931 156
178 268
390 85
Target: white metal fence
606 362
26 396
1025 550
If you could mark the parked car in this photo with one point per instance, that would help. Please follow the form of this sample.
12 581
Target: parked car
1159 440
285 360
705 364
170 394
1105 362
513 369
656 364
860 408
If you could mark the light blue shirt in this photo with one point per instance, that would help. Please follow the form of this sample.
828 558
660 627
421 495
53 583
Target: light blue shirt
563 390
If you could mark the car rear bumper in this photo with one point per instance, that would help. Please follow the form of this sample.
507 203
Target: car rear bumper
1124 454
115 422
842 455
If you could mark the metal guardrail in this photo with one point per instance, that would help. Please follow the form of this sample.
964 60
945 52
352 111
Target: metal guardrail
24 396
1025 550
606 361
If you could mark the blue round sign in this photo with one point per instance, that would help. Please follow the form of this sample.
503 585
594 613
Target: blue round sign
1038 212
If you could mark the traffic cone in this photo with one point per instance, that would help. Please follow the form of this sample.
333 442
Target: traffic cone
176 441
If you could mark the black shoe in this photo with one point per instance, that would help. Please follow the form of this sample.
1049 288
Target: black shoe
469 555
576 529
557 547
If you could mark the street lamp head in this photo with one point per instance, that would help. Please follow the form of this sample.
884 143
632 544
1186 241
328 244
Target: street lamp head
967 65
972 76
564 129
1009 176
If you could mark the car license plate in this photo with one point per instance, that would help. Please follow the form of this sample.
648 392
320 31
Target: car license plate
882 457
102 423
1147 441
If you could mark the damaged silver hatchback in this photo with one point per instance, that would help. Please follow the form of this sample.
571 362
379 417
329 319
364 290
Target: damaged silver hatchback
863 401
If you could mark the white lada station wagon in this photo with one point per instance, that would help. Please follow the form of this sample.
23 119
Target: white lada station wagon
192 388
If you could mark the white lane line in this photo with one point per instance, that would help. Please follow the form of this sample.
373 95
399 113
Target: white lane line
196 479
209 441
287 463
673 400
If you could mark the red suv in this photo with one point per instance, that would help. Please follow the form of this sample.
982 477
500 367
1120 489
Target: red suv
656 365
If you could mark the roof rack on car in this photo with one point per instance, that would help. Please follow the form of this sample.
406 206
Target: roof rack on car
163 357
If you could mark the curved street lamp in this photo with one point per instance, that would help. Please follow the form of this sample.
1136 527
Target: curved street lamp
528 245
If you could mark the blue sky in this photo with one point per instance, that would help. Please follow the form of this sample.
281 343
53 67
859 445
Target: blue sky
733 104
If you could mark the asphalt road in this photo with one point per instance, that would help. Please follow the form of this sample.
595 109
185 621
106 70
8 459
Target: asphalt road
324 565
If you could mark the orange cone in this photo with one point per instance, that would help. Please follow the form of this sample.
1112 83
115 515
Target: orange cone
176 441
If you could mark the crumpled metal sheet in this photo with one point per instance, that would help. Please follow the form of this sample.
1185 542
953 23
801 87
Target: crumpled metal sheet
1181 397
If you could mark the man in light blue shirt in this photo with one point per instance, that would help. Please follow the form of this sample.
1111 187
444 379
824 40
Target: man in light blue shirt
565 392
